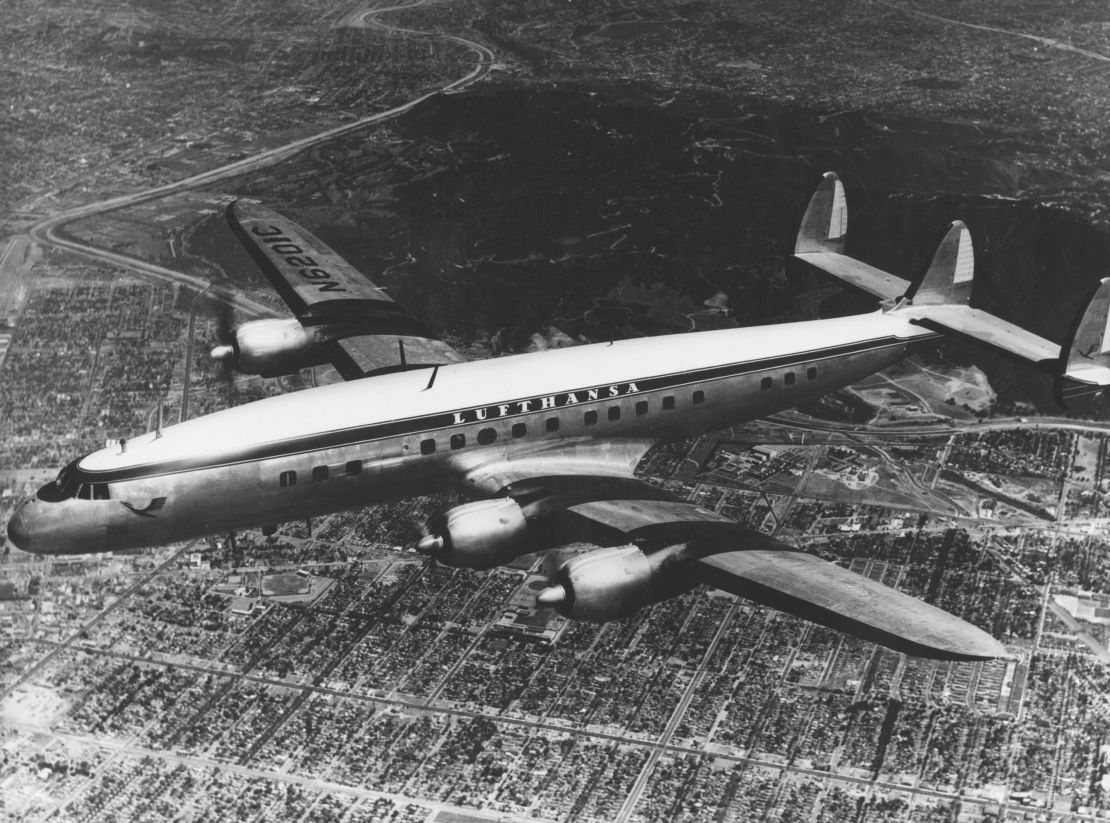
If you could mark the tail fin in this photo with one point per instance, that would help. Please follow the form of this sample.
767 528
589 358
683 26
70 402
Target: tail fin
948 280
821 239
1087 367
825 223
941 301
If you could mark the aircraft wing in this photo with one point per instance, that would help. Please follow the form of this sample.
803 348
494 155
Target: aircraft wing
361 328
609 506
814 589
748 563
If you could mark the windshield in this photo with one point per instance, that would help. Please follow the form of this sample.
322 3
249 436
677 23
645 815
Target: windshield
63 487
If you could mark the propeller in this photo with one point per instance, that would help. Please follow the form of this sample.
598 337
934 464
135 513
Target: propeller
224 350
554 593
429 545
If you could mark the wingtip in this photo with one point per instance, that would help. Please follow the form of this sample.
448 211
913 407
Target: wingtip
965 642
986 648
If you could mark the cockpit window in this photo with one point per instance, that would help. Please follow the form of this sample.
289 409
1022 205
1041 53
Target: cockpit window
63 487
68 485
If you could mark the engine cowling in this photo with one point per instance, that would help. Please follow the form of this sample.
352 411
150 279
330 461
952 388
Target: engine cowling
608 584
271 348
478 535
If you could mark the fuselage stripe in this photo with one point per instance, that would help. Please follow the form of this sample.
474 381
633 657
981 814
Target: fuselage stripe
497 411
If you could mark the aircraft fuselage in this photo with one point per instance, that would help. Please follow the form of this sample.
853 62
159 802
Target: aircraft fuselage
352 444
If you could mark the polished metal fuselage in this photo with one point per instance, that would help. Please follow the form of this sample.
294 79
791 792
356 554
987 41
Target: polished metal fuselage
226 488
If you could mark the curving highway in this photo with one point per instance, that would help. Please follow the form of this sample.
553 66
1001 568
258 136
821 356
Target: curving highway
49 232
1049 42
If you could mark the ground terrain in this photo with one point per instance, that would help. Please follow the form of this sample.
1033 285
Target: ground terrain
613 170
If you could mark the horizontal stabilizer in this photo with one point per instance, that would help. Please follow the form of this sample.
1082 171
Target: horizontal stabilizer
940 302
982 327
859 275
821 239
1087 368
816 590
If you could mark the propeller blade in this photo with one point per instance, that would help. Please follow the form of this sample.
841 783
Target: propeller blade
224 350
429 544
551 562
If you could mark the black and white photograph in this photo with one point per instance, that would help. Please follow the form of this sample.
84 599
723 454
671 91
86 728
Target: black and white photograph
543 411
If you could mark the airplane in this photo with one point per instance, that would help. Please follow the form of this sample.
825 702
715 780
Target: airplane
546 442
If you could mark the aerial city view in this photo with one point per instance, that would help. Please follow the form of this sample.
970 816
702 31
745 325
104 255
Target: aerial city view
859 571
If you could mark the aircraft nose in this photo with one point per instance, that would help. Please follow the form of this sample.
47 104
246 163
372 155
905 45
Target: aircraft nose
18 531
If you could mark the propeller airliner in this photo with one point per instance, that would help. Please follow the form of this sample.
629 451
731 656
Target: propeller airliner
546 442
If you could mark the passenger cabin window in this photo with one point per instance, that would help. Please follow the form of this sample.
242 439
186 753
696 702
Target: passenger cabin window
100 491
519 430
668 402
699 397
811 373
788 378
320 473
552 424
458 441
614 412
766 383
288 479
428 446
591 418
641 408
486 436
354 467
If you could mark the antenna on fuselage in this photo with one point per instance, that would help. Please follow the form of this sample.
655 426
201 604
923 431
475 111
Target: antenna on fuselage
432 379
160 411
401 350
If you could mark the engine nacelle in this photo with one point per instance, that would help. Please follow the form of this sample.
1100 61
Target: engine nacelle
271 348
608 584
477 535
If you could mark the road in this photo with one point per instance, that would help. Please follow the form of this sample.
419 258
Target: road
633 798
400 700
206 764
97 618
50 232
796 420
1050 42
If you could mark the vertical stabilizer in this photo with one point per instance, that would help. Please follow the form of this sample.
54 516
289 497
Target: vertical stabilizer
948 280
825 223
942 301
1087 369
